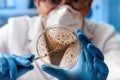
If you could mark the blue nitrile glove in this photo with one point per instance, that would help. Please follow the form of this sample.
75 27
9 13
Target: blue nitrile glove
90 65
11 64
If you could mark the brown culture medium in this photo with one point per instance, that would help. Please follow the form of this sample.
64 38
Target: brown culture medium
58 46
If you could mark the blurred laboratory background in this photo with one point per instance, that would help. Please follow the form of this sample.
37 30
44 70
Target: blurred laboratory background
101 11
13 8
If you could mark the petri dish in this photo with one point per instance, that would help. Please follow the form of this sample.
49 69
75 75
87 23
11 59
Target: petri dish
57 46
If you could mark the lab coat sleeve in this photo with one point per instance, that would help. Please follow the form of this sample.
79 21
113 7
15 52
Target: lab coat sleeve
4 38
112 57
106 39
13 35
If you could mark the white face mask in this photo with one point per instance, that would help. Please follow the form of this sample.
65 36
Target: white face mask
65 15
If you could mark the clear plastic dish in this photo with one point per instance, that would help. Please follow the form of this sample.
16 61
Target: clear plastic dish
58 47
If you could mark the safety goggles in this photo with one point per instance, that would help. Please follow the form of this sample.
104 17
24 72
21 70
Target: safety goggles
76 4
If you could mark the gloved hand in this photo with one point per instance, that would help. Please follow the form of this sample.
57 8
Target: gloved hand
11 64
90 65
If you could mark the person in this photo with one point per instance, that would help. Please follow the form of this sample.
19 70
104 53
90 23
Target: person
17 43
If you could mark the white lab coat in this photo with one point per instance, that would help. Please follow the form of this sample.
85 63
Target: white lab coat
18 37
